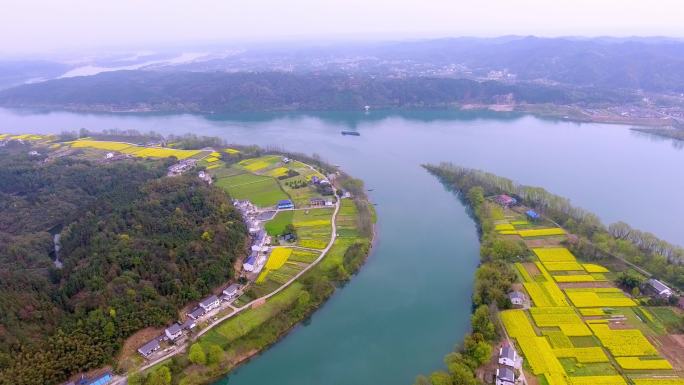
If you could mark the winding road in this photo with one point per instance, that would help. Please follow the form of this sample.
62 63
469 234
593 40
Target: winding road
121 380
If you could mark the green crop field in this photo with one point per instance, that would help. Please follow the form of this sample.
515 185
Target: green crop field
277 225
246 321
263 191
313 227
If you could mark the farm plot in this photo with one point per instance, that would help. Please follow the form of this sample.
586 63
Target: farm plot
257 164
598 380
582 355
554 231
347 226
314 227
563 266
594 268
545 294
138 151
277 225
557 339
623 343
598 297
658 381
575 278
564 318
246 321
517 324
263 191
303 256
540 356
640 363
554 254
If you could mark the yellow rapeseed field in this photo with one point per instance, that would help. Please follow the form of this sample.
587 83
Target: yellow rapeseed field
563 266
583 355
594 268
554 254
622 343
592 311
598 380
541 232
517 324
278 257
504 226
637 363
540 356
658 381
574 278
563 317
139 151
599 297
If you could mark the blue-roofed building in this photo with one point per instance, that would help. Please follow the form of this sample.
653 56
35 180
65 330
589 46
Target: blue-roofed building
100 380
250 263
531 214
285 204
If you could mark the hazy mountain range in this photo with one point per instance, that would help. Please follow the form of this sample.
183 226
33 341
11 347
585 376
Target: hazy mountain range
430 73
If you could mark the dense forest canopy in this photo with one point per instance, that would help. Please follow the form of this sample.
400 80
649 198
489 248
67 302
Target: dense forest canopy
274 91
136 247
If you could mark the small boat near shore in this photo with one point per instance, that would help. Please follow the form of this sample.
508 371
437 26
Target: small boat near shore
352 133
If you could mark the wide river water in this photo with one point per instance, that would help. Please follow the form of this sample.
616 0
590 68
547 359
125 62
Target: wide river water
410 303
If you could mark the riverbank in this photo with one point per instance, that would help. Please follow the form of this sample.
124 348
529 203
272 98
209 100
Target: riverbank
268 317
509 235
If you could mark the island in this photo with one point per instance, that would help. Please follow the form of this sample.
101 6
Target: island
272 235
561 299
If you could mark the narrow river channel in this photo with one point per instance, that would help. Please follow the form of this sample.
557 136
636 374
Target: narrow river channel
410 304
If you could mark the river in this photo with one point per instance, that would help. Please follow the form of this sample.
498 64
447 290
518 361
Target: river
410 304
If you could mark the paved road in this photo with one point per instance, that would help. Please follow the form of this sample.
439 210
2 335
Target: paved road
119 380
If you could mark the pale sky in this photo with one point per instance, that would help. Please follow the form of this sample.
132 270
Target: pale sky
34 26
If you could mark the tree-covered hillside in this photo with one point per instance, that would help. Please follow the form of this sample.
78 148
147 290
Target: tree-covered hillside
136 247
274 91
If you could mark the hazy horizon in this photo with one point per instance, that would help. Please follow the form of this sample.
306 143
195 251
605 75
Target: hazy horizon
40 27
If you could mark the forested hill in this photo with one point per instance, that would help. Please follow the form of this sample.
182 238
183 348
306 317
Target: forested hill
270 91
136 247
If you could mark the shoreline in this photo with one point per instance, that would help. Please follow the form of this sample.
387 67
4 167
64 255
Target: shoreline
567 113
465 183
286 320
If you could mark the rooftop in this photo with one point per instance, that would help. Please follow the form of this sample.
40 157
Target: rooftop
658 285
209 300
507 352
196 313
174 329
506 374
149 347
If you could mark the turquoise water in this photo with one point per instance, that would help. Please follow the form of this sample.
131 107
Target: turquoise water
410 305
